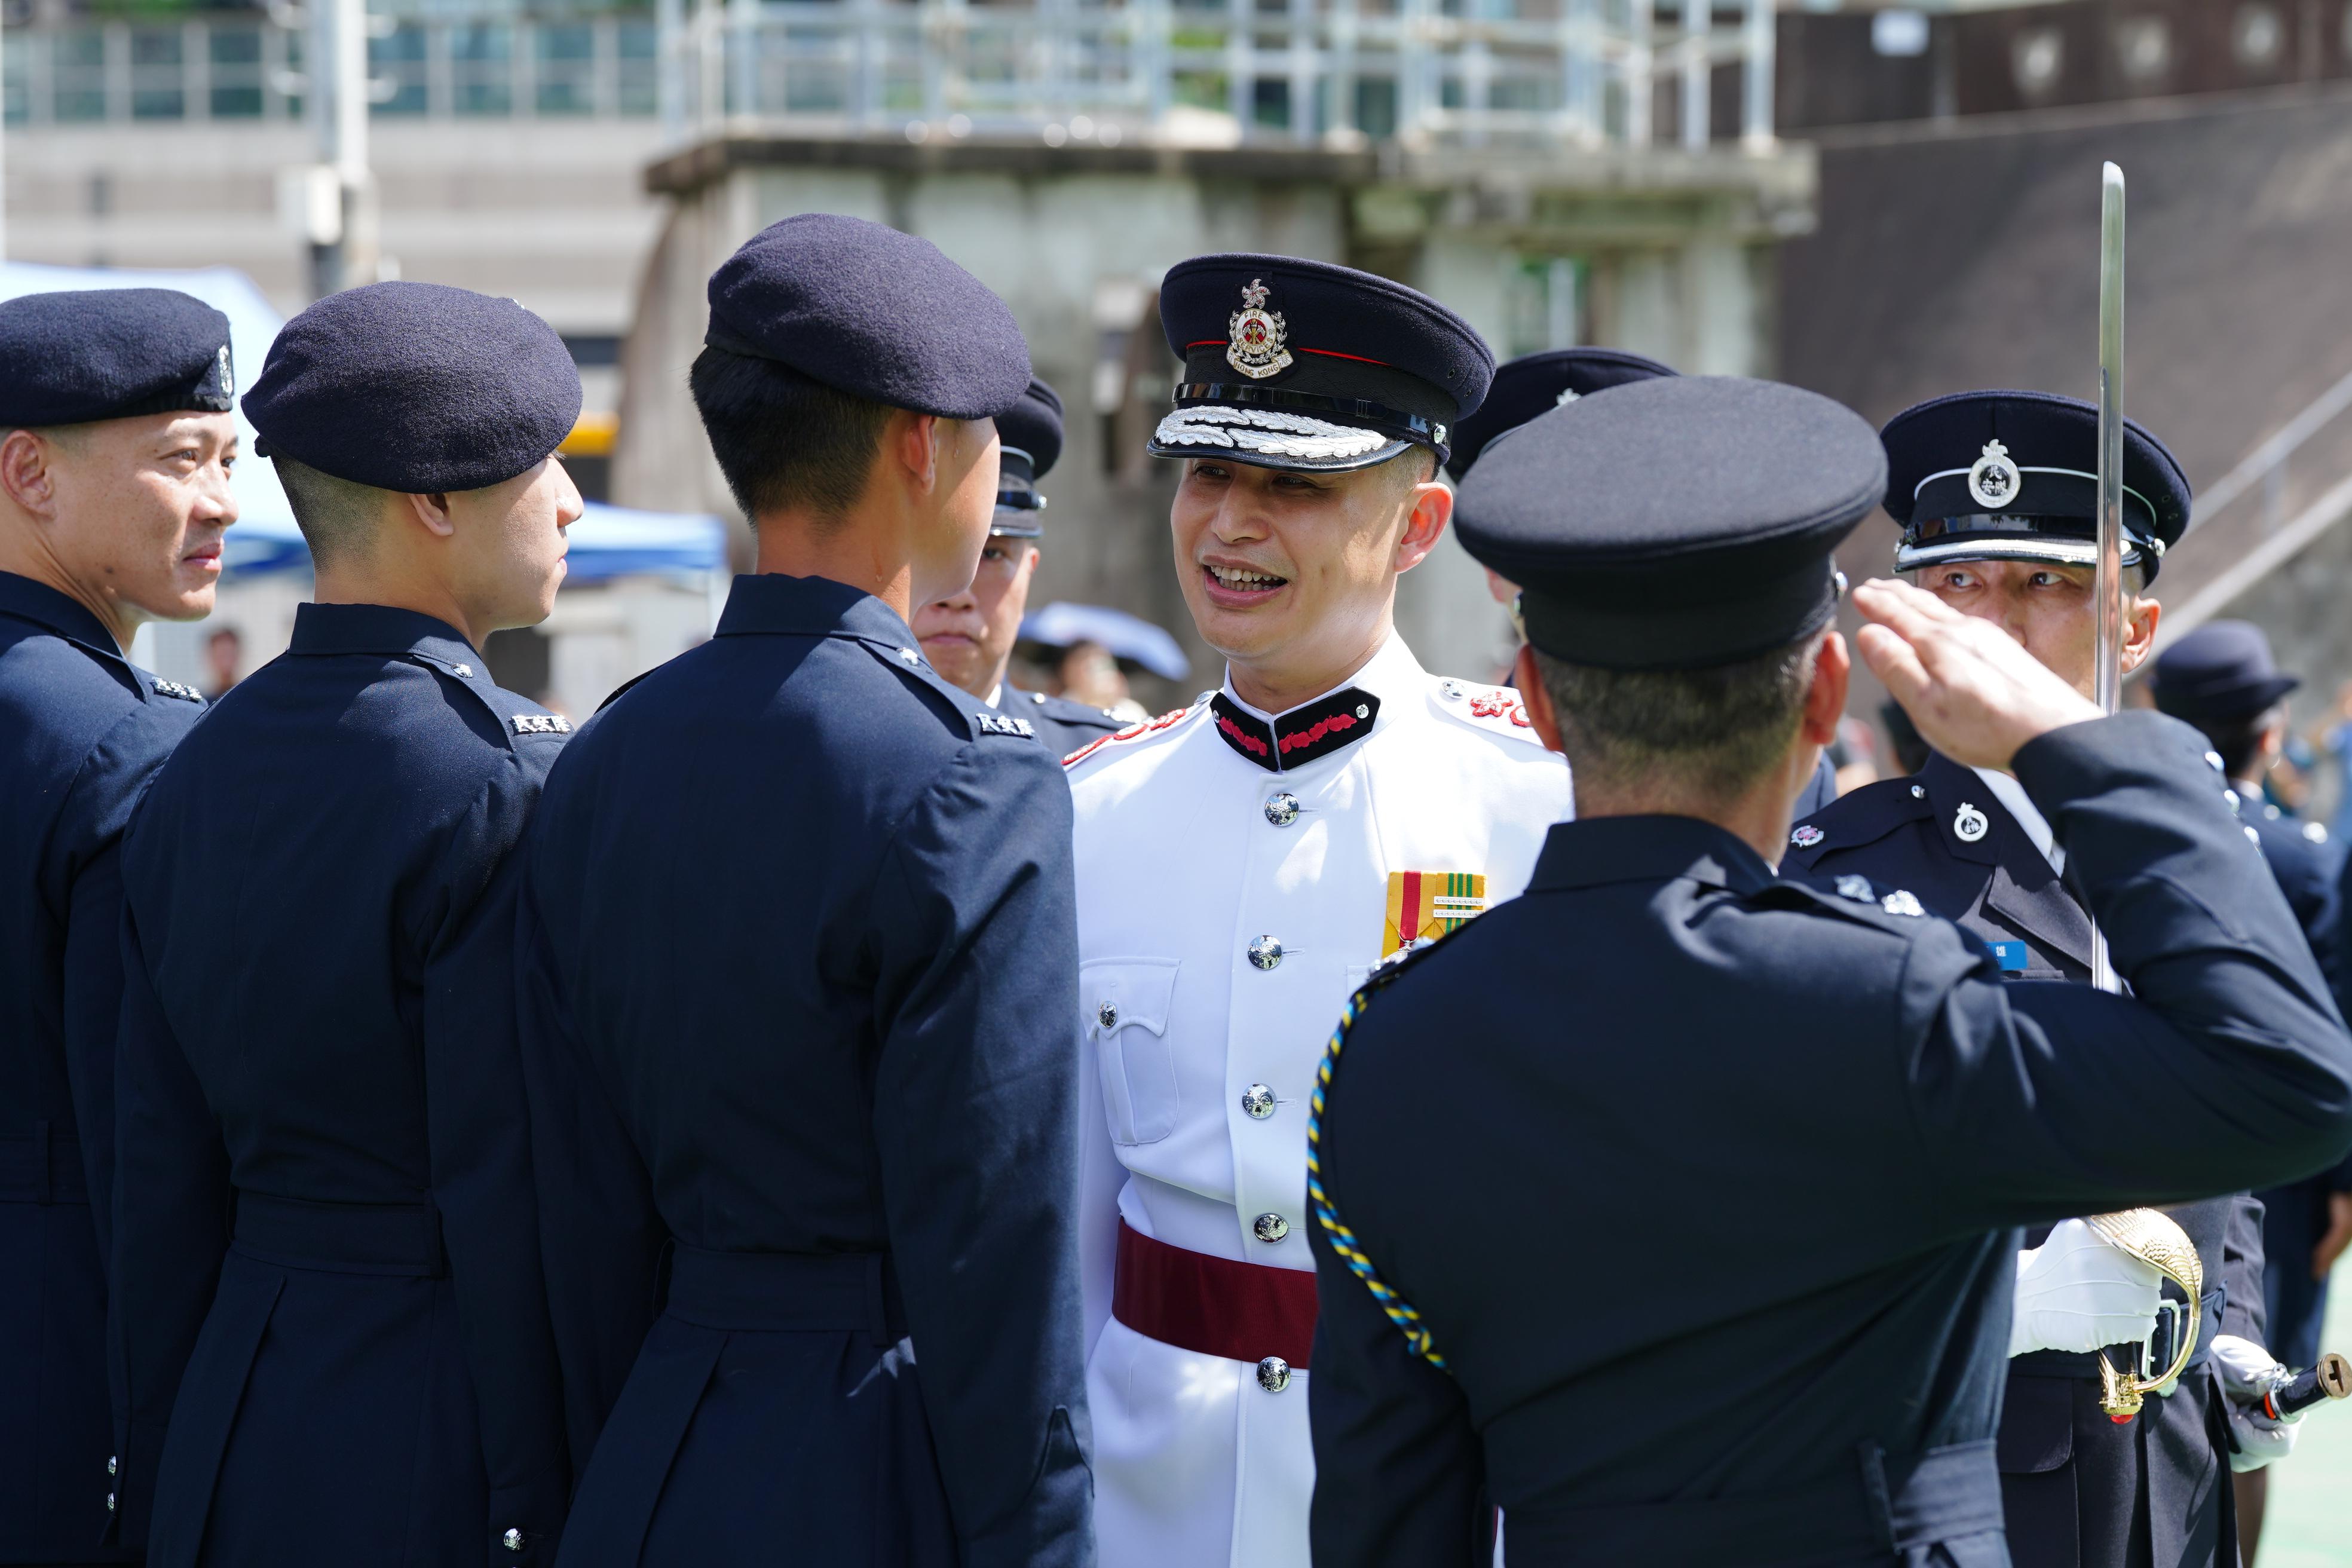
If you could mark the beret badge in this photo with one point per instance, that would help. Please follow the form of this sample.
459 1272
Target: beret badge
1994 480
227 383
1257 339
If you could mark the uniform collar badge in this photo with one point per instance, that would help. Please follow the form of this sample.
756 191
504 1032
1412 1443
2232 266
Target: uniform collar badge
1806 836
1256 338
1299 736
1968 824
1994 480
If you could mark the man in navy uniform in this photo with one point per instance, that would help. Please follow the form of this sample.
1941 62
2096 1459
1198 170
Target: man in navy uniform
1799 1122
968 636
1996 495
2221 679
116 443
331 1331
1539 383
800 989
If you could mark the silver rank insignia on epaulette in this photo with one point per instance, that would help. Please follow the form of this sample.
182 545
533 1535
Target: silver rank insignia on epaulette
1900 902
1858 889
999 724
542 724
174 689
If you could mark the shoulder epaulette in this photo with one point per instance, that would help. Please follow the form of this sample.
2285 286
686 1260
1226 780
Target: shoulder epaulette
1846 897
1149 727
1491 709
1863 816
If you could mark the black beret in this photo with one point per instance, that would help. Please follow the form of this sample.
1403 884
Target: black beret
1031 433
1673 523
2220 671
2013 476
414 386
1301 365
1537 382
109 354
871 311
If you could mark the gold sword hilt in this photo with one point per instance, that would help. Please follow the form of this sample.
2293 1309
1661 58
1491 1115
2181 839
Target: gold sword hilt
2157 1240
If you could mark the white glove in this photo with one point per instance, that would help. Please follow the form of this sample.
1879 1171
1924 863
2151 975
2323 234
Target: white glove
2077 1292
2249 1372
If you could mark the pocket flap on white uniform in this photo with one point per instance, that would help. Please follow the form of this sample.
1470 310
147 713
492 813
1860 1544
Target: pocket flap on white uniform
1125 1003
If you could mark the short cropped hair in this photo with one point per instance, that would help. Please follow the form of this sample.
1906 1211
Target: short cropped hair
336 516
2238 741
783 439
1712 731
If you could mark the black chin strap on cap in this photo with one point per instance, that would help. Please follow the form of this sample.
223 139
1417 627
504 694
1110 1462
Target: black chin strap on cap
1632 630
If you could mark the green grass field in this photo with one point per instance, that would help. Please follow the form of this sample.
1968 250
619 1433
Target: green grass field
2310 1522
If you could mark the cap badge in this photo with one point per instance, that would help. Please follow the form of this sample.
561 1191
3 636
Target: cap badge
1807 836
1970 824
228 386
1256 338
1993 481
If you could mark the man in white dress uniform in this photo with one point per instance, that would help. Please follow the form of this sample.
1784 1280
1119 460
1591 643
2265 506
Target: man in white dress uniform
1244 862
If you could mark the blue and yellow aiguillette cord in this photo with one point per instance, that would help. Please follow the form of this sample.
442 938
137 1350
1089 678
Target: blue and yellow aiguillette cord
1343 1240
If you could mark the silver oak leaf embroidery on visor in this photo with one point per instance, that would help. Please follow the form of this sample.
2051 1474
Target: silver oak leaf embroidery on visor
1264 430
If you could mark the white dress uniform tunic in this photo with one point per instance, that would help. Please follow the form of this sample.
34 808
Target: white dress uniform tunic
1238 875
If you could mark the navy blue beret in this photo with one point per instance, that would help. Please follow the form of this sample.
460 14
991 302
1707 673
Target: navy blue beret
2013 476
2222 670
1673 523
414 386
1031 433
1537 382
1302 364
110 353
871 311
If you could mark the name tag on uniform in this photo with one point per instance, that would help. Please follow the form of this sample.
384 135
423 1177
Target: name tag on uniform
2010 954
998 724
1424 905
542 724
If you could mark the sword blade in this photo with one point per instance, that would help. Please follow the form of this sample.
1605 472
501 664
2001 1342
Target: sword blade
2107 582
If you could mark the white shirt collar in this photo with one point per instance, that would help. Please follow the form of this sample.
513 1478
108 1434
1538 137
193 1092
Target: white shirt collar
1389 674
2011 795
995 698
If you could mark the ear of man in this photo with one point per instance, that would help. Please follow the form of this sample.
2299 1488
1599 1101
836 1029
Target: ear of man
28 460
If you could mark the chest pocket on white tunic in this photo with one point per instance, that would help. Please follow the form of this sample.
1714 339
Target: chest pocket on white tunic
1125 1003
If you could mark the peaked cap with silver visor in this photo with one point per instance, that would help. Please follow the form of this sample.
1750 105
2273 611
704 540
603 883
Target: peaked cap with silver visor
2013 476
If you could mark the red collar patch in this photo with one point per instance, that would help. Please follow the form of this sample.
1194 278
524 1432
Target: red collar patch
1299 736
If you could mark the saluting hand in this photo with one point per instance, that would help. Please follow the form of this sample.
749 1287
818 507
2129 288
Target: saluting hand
1975 693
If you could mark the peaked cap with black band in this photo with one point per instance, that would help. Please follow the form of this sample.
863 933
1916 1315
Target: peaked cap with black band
861 308
1031 435
85 354
1537 384
1309 366
2014 476
1680 522
414 386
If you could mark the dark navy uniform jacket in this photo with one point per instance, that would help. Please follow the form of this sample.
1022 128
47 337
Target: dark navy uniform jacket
332 1332
1806 1122
2294 1216
2080 1488
81 732
801 1009
1062 726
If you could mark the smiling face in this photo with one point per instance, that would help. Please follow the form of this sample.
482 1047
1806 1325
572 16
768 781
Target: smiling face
969 636
1291 576
129 513
2049 610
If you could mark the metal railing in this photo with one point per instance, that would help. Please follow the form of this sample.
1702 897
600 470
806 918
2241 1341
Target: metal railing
248 69
1225 71
2260 544
1310 72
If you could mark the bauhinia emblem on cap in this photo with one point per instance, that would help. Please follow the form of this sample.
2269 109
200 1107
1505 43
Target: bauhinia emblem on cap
228 388
1994 480
1257 337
